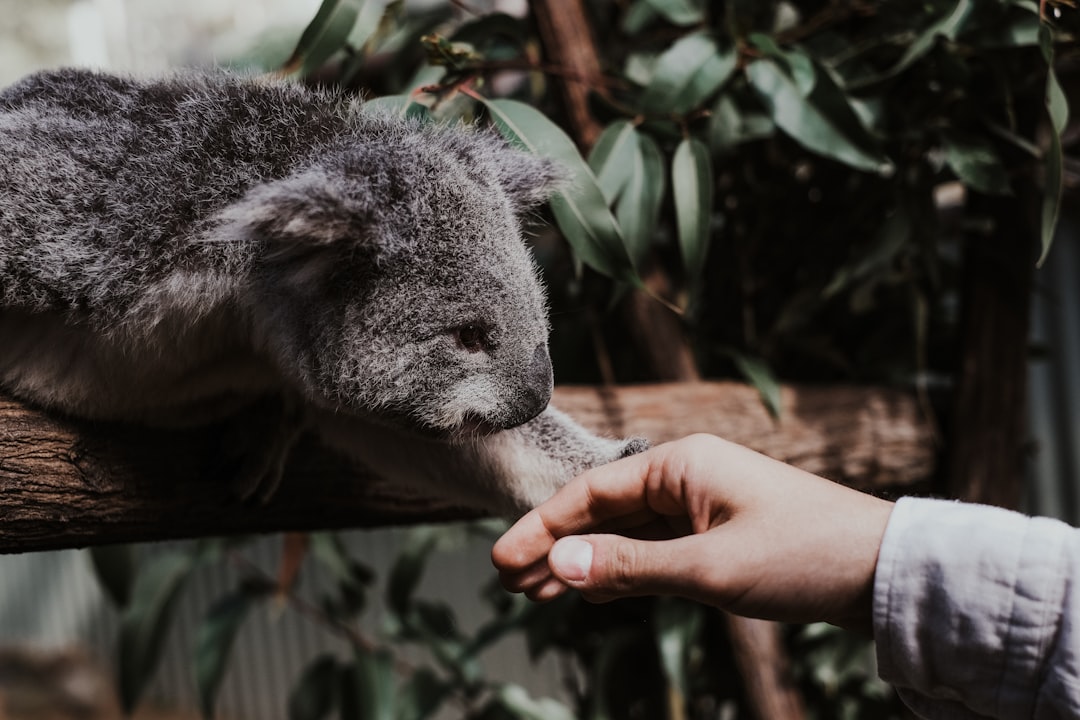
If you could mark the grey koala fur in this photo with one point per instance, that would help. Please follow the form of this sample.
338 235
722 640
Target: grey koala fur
180 249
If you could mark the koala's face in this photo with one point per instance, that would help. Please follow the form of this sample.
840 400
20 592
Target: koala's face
401 286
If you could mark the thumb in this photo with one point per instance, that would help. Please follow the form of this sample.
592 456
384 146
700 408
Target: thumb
605 567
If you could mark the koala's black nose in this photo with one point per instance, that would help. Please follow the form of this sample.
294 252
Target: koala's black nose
535 389
541 377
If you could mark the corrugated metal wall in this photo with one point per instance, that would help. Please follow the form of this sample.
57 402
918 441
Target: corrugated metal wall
1054 380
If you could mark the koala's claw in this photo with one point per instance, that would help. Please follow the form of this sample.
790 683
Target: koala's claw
633 446
259 441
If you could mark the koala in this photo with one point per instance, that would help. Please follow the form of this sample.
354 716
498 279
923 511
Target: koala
205 245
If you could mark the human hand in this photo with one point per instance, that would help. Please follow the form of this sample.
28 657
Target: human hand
725 525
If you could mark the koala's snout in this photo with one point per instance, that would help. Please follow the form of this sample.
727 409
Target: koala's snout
541 377
535 389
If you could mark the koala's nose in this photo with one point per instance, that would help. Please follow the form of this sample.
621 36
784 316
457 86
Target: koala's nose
541 376
537 386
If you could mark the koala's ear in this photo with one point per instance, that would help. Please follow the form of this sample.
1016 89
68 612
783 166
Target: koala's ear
305 215
530 180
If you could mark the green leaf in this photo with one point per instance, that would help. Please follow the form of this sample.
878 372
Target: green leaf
637 17
679 12
892 237
947 26
976 163
581 212
114 567
687 74
316 693
515 699
758 374
367 22
325 35
639 204
400 106
215 638
731 125
421 696
820 88
407 570
1057 106
677 624
612 158
367 686
145 621
804 122
692 186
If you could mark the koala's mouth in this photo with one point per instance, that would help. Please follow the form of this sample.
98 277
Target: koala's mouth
474 426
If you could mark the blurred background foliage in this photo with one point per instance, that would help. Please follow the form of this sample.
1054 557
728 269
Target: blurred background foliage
803 174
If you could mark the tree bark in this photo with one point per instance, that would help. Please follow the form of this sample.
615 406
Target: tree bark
988 439
67 484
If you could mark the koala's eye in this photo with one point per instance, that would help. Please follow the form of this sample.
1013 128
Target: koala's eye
471 337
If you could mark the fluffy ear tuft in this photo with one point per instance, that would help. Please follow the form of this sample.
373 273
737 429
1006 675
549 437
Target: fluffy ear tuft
529 180
301 215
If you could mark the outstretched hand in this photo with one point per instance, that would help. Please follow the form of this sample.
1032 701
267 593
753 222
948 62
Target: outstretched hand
709 520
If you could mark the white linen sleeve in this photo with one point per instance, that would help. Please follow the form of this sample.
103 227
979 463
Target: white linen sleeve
975 609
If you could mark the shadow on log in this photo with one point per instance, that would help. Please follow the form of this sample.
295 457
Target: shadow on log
69 484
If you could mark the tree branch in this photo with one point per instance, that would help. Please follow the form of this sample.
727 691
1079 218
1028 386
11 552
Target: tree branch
67 484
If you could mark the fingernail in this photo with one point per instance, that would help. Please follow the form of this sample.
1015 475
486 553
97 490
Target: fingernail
571 558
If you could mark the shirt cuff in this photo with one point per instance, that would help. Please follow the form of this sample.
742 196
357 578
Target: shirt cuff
967 600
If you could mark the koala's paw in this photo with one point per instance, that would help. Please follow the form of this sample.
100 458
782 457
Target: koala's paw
255 446
633 446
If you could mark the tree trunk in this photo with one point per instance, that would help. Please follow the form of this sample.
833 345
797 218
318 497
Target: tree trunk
988 439
69 484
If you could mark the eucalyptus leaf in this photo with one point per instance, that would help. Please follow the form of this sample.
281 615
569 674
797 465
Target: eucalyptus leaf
797 116
114 567
1057 106
367 23
679 12
316 694
214 641
976 163
692 186
612 158
515 699
367 686
677 625
821 87
421 696
687 74
400 106
582 211
730 125
947 26
407 570
638 16
638 208
145 621
326 34
758 374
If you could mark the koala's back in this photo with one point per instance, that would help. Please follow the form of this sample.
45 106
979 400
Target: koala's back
105 181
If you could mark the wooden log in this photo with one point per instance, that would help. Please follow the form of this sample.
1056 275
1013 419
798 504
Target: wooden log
67 484
865 437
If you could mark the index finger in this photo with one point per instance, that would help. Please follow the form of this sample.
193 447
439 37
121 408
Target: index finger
588 501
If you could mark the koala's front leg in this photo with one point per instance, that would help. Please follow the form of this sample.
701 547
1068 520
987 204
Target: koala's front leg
256 443
507 473
527 464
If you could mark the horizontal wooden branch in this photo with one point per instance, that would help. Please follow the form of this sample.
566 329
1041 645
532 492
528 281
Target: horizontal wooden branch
70 484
